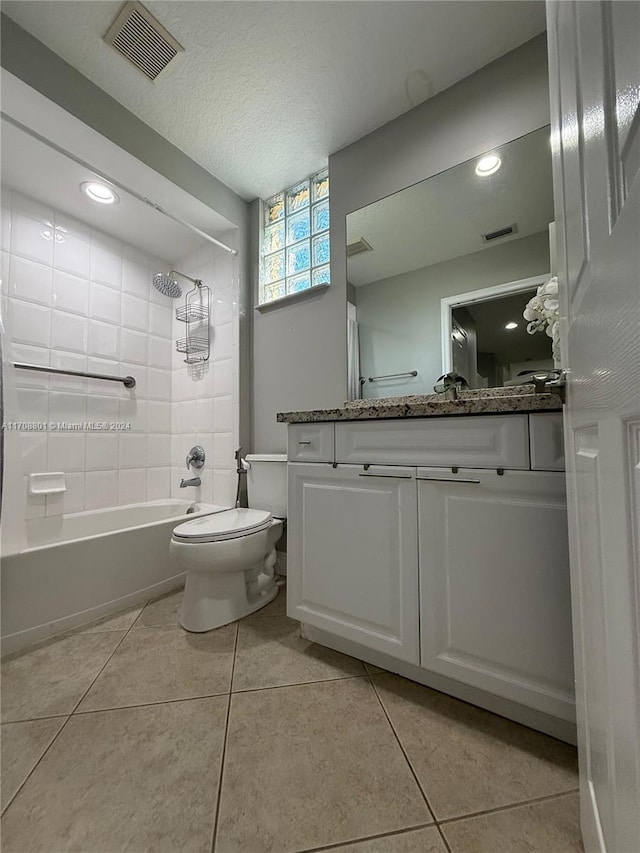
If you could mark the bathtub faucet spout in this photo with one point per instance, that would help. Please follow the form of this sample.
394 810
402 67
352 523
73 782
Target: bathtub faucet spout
194 481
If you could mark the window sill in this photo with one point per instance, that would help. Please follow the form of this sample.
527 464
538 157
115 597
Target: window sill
291 297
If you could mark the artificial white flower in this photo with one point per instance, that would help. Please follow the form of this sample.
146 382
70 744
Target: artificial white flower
542 313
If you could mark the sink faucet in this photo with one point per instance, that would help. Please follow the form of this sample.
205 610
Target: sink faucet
194 481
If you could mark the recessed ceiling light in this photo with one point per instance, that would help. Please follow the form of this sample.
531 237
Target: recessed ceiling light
488 165
99 192
510 326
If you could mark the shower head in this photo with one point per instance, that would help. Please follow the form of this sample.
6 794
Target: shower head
167 285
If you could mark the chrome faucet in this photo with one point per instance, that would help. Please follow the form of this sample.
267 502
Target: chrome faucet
194 481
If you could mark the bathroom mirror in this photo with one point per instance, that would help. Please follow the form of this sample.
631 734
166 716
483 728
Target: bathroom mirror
438 275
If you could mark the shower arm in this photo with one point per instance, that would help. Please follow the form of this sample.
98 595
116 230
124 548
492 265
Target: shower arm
196 281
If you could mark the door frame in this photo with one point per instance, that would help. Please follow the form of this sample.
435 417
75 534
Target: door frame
495 291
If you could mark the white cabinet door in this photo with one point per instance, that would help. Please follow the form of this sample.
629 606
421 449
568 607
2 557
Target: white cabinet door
494 584
352 563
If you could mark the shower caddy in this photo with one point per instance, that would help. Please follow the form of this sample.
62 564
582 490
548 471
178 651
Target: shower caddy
196 344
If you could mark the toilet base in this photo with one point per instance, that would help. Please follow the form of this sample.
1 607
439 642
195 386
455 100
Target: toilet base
212 600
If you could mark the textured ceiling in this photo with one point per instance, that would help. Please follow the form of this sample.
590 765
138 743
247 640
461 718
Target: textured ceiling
265 91
445 216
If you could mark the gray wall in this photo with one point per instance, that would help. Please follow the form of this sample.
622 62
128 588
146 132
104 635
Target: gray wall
399 317
300 349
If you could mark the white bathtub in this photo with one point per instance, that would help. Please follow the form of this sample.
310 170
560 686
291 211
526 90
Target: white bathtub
83 566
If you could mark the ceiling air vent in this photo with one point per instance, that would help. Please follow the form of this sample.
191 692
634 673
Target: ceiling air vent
137 35
358 247
501 232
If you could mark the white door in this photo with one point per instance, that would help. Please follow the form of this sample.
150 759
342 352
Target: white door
352 562
594 51
494 584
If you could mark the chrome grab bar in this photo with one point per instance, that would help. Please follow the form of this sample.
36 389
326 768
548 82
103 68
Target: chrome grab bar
127 381
393 376
388 476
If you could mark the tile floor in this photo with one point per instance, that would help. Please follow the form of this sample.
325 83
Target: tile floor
133 735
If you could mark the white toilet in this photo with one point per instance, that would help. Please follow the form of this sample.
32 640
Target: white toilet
230 556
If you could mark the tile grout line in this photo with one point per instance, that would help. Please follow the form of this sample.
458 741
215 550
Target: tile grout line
354 841
533 801
64 725
224 745
406 757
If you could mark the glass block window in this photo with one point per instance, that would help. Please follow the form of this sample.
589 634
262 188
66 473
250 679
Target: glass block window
295 249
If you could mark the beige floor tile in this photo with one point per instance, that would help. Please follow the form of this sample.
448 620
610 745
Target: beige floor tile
470 760
161 613
136 779
22 745
426 840
271 652
50 679
549 827
311 765
118 622
159 665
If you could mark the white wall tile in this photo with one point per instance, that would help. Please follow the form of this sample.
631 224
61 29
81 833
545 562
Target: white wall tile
132 486
158 483
134 412
106 265
222 343
135 313
70 225
65 407
70 293
159 416
108 366
159 384
103 409
136 278
66 451
101 489
158 450
160 351
132 450
31 355
102 451
204 415
160 320
29 323
223 450
34 452
68 361
72 254
28 239
30 281
73 498
104 303
222 378
69 332
223 418
104 340
133 346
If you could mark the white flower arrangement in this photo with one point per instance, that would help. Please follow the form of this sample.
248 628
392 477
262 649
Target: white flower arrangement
542 314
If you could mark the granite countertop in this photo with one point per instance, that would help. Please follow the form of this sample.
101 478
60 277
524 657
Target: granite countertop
487 401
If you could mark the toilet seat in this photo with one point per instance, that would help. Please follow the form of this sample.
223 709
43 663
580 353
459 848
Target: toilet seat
222 526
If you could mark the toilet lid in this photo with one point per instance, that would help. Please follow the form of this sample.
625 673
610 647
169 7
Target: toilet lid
223 525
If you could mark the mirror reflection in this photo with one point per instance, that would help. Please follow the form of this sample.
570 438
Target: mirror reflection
440 273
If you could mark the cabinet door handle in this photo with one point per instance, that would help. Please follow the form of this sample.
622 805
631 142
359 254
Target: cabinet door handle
388 476
447 480
304 442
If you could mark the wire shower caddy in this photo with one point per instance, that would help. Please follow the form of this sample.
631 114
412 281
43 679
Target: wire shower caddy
196 345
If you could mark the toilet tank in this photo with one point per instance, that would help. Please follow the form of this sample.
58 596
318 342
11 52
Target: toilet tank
267 482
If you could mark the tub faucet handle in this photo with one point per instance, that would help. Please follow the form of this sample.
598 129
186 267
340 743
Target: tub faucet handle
196 457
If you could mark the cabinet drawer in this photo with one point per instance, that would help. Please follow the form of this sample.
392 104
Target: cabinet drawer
547 441
310 443
494 441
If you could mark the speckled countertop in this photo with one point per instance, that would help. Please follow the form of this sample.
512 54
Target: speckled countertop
487 401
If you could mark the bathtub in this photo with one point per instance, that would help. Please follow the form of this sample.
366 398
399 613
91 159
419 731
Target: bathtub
87 565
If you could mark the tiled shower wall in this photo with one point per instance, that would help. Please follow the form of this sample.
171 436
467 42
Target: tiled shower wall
76 298
206 409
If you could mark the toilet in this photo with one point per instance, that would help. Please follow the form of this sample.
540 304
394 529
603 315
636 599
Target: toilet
229 556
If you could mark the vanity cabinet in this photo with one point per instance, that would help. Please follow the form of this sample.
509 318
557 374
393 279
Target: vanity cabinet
353 545
458 568
495 600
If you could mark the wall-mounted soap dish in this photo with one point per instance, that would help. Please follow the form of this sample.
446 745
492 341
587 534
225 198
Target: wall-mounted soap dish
49 483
